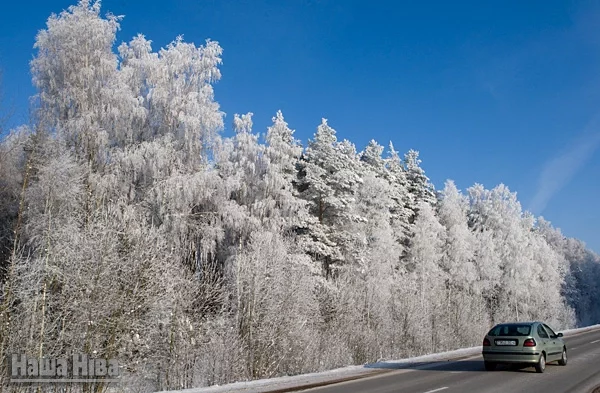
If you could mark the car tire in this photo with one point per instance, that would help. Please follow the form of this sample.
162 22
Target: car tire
563 359
540 366
489 366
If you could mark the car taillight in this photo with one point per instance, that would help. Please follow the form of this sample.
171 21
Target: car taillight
486 342
530 342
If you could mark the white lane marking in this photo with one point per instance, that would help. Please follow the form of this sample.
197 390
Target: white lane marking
437 390
595 341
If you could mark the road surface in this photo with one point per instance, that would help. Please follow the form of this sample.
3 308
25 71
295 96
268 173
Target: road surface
581 374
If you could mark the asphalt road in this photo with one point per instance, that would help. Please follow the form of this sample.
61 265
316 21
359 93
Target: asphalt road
581 374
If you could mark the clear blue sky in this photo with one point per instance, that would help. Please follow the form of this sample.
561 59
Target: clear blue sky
488 92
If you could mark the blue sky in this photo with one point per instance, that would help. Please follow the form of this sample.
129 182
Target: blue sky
489 92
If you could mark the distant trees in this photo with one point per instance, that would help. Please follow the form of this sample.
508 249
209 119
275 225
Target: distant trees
517 253
580 269
129 227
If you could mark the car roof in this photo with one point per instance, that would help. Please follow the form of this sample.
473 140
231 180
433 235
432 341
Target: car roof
517 323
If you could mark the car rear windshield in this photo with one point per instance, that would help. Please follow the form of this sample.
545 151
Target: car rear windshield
510 330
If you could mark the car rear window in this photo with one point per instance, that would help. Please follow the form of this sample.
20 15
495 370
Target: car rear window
510 330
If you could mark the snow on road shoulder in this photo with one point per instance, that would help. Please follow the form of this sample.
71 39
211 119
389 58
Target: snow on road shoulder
569 332
287 382
339 373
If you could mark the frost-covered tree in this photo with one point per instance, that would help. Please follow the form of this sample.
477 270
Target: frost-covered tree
242 165
289 212
182 97
274 305
580 288
419 186
75 72
399 208
460 242
18 162
497 218
423 265
374 205
248 164
368 280
551 269
371 156
463 289
14 163
138 68
124 227
283 151
327 180
174 92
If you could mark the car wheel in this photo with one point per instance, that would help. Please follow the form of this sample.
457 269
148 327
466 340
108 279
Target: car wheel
563 359
540 366
489 366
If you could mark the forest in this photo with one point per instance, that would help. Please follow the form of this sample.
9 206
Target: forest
131 228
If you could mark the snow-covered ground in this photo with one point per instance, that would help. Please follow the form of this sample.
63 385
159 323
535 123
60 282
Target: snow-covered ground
278 383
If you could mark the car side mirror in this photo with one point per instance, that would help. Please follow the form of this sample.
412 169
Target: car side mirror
559 335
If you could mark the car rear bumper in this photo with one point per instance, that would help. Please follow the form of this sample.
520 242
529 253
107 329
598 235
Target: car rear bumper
511 356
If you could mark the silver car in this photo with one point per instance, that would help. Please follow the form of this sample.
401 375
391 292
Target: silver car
523 343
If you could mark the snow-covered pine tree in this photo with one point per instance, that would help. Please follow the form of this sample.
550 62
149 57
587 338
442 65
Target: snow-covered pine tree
400 212
419 186
327 180
289 213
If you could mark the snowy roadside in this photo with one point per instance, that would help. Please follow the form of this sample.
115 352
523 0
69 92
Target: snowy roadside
572 332
349 372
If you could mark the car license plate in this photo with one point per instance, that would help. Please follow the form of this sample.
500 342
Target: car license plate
506 342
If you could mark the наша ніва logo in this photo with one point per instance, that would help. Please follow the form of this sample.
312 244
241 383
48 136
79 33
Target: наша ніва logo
78 368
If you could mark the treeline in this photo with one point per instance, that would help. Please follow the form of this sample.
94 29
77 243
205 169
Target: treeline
131 229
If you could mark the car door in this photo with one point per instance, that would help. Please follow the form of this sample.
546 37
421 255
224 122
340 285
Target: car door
555 341
546 343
